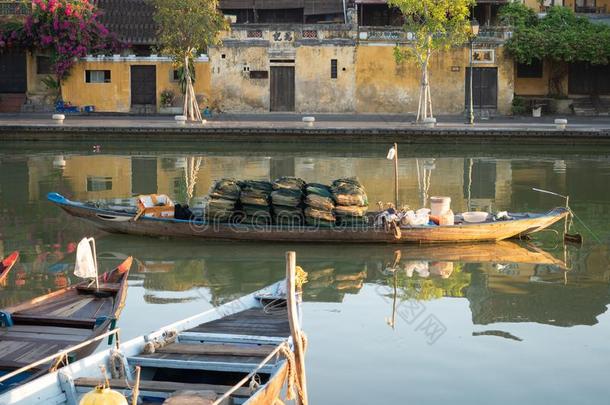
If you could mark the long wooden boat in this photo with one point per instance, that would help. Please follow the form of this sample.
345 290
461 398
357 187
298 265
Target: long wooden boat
208 353
7 264
44 325
121 220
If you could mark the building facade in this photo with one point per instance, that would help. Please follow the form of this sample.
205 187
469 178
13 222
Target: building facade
304 56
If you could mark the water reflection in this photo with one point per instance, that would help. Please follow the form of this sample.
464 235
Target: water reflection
504 282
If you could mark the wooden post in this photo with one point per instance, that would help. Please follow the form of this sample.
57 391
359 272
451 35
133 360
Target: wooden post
295 326
136 388
396 176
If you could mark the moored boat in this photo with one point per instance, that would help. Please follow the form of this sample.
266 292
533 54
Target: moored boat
7 264
236 353
126 220
46 324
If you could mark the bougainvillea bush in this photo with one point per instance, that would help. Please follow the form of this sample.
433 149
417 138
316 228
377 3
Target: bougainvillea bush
68 29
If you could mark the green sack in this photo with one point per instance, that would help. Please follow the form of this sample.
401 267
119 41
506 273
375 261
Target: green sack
290 183
319 202
286 197
319 214
350 211
318 189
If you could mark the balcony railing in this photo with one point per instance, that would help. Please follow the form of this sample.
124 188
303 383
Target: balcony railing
15 8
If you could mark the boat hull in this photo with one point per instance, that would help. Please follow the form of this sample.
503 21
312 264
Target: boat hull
117 222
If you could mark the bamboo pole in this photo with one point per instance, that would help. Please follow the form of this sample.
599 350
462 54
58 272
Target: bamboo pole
295 328
396 176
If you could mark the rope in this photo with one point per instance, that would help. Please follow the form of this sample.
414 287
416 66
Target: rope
293 382
117 369
585 226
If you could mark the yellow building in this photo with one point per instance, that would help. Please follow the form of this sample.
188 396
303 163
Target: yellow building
304 56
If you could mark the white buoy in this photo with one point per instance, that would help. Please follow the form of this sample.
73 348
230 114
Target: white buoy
58 118
561 123
430 122
180 119
309 121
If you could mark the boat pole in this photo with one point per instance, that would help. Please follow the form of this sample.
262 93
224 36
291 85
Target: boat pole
295 326
396 176
136 387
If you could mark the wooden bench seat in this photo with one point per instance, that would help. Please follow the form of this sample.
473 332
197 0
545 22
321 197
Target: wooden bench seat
218 349
162 386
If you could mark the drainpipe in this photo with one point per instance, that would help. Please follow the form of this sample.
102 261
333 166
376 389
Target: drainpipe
344 13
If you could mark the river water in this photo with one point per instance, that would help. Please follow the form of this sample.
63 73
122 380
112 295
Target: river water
467 324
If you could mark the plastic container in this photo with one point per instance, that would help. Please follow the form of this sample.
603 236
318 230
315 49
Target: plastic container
440 205
475 216
447 218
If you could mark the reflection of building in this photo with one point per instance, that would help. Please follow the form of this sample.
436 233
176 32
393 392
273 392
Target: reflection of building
114 176
529 293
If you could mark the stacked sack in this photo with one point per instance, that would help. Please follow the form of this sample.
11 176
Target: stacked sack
287 198
223 197
351 202
319 205
254 199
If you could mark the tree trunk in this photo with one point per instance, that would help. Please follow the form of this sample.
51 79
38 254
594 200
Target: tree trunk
424 108
191 107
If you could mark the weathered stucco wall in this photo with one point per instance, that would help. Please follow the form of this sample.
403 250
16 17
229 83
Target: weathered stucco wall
382 85
315 90
232 88
116 95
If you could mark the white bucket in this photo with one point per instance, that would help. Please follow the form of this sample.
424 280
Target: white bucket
537 112
440 205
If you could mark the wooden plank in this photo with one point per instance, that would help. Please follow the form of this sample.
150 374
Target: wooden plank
69 310
217 349
54 320
53 330
228 338
161 386
43 337
196 365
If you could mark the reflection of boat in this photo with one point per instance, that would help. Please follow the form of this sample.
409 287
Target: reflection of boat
242 342
121 220
7 264
44 325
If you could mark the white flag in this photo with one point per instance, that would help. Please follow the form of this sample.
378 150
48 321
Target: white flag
85 262
391 154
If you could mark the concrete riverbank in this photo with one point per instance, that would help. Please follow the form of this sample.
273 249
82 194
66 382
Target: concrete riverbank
287 127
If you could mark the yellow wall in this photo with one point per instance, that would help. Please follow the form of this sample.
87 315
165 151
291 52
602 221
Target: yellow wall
116 95
538 86
232 89
382 85
315 90
117 168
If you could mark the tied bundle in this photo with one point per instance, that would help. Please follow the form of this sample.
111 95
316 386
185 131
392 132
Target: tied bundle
255 201
351 202
319 205
222 199
287 198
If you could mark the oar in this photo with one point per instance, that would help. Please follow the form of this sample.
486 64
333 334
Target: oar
574 238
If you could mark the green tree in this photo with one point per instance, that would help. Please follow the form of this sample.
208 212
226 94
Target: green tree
186 27
561 37
431 26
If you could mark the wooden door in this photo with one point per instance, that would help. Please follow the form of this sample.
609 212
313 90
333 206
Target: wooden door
143 85
484 88
13 72
282 88
584 78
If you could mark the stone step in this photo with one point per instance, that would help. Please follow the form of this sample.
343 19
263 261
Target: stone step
11 102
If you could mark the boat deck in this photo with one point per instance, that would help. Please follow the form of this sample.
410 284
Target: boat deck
212 356
252 322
